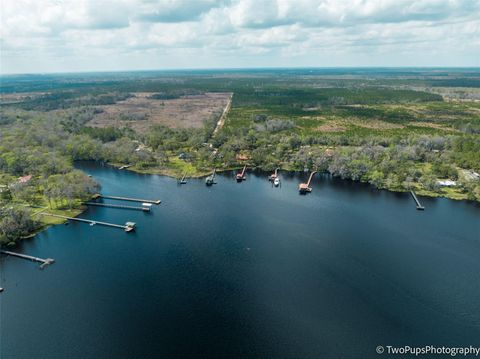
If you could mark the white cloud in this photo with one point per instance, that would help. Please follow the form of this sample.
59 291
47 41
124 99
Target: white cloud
174 10
63 35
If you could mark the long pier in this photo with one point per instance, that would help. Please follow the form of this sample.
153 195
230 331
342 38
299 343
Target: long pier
121 206
128 227
152 201
419 205
43 262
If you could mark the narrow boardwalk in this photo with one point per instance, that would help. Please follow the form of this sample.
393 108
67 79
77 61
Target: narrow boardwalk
145 209
153 201
128 227
419 205
43 262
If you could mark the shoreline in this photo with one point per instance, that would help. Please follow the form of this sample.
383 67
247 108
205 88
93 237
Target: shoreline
419 191
75 212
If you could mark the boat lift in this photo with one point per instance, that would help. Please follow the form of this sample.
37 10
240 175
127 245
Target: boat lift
183 179
210 180
241 175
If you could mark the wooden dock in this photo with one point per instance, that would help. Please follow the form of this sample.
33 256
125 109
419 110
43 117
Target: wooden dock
273 175
183 179
304 188
211 179
144 208
241 175
43 262
128 227
419 205
152 201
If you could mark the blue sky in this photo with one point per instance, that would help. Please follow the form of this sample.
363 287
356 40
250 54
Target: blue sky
103 35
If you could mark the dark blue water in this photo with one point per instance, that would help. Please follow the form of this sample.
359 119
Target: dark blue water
247 271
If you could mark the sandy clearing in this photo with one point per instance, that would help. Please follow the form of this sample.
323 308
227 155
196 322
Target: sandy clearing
140 112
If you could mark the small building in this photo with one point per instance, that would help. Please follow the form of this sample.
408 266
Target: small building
146 207
447 183
242 157
24 179
329 152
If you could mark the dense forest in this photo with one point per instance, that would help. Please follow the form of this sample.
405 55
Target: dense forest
374 127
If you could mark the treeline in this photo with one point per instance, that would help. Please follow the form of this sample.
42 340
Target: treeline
329 96
44 147
393 162
174 94
60 191
68 99
49 148
466 152
15 223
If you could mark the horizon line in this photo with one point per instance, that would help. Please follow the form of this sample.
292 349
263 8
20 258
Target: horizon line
200 69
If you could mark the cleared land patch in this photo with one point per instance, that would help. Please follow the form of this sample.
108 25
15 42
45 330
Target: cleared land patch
141 111
342 124
331 126
12 98
432 125
375 124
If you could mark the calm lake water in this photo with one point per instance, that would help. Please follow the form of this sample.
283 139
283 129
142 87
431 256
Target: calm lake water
246 270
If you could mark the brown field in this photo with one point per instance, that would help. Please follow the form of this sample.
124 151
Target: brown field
432 125
331 126
375 124
11 98
341 125
139 112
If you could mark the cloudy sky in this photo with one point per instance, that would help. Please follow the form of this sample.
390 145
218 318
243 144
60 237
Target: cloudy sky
107 35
